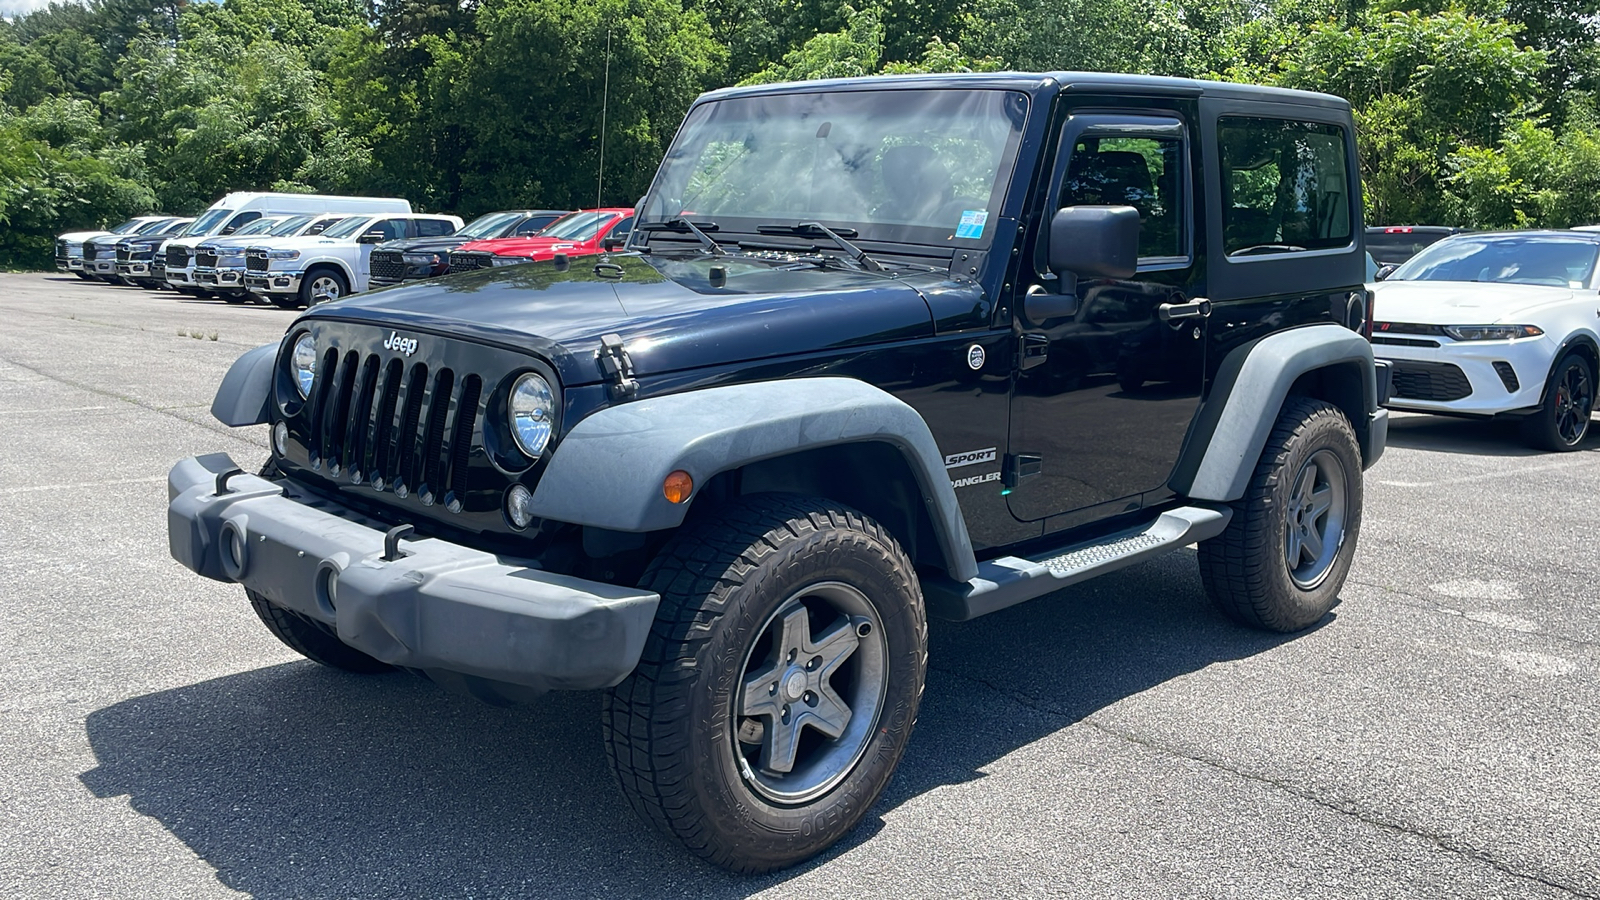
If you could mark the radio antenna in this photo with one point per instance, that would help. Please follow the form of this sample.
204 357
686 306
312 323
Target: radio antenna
605 100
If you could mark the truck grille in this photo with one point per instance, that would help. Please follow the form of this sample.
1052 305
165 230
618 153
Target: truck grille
388 265
1439 382
467 262
177 257
395 426
206 256
61 249
90 251
255 260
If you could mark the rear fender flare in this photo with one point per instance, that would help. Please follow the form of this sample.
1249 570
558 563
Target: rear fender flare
1231 429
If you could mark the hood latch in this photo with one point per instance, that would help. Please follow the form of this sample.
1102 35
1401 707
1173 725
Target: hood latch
616 367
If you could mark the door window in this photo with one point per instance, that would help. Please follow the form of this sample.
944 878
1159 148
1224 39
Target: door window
1145 173
1284 186
393 229
434 227
243 218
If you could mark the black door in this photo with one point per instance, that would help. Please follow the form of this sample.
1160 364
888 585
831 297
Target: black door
1104 397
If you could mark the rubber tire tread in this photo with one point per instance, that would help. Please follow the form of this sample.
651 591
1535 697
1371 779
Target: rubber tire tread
1242 569
304 296
313 640
652 765
1539 429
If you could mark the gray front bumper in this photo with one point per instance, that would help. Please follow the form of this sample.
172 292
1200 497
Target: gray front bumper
441 607
274 282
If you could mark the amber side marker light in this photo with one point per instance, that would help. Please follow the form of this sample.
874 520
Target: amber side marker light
677 486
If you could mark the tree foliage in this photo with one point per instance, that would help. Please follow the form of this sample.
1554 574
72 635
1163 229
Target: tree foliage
1472 112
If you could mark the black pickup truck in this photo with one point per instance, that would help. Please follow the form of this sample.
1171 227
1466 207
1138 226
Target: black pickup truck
877 350
413 259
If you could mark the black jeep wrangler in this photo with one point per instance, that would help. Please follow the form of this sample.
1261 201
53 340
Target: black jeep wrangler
878 350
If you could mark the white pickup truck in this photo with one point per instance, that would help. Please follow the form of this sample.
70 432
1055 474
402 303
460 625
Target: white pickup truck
219 262
305 271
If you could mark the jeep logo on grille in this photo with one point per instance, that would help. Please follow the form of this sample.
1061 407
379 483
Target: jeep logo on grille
399 344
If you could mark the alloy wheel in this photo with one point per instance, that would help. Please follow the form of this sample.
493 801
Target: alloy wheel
1315 519
812 690
1574 401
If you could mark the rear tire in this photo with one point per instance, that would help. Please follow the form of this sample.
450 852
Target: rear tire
1285 554
1562 421
739 734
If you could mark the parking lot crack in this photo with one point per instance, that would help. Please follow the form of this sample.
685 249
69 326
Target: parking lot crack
1342 808
168 411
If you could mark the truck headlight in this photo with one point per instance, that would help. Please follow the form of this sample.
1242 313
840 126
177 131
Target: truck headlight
532 410
508 260
1492 332
420 259
305 364
283 254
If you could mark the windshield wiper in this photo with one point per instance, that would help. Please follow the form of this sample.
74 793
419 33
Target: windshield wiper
684 226
812 229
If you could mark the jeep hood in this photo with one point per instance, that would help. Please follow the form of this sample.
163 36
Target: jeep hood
1461 302
666 310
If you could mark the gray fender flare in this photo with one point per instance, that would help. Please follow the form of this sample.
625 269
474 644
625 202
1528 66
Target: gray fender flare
247 388
1231 430
607 472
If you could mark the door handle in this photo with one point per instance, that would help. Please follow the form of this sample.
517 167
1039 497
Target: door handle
1194 309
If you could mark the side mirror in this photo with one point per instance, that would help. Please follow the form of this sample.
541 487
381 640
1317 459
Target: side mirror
371 237
1095 241
614 242
230 229
1085 242
1384 272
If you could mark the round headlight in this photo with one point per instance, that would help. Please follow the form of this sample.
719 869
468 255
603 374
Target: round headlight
532 409
305 364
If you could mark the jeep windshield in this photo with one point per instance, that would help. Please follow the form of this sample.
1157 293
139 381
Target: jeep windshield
907 166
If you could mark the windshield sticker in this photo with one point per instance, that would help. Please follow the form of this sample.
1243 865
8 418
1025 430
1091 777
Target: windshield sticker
972 222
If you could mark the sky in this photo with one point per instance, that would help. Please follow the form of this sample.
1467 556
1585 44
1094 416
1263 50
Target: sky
12 8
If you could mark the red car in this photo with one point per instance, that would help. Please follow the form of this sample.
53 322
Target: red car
582 233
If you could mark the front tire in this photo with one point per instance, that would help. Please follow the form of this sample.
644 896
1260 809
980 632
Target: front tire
1285 554
312 639
778 686
322 286
1562 421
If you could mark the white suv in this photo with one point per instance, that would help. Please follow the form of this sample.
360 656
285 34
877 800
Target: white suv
305 271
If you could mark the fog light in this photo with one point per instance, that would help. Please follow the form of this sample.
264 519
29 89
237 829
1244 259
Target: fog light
519 506
678 486
280 438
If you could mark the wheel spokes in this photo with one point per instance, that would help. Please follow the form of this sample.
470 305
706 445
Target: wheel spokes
792 691
1311 543
1320 501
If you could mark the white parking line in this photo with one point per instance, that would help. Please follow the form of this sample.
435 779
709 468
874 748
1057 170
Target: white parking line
1489 476
82 484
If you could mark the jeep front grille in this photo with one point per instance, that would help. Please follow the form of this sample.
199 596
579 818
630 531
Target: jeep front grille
177 257
377 420
255 260
388 265
206 256
467 262
1439 382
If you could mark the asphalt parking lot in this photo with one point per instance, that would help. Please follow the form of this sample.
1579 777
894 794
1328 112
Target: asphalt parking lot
1439 736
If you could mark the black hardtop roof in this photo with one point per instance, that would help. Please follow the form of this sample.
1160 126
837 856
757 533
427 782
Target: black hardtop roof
1048 82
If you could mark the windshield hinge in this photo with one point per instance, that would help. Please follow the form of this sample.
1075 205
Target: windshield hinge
616 367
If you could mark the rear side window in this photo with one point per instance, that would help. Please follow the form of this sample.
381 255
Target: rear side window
434 227
1285 186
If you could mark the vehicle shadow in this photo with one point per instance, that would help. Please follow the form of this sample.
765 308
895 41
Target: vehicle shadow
1475 437
297 781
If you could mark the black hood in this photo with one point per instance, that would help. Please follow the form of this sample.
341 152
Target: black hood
665 308
425 244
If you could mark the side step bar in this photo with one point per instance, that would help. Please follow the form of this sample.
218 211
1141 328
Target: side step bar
1008 580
